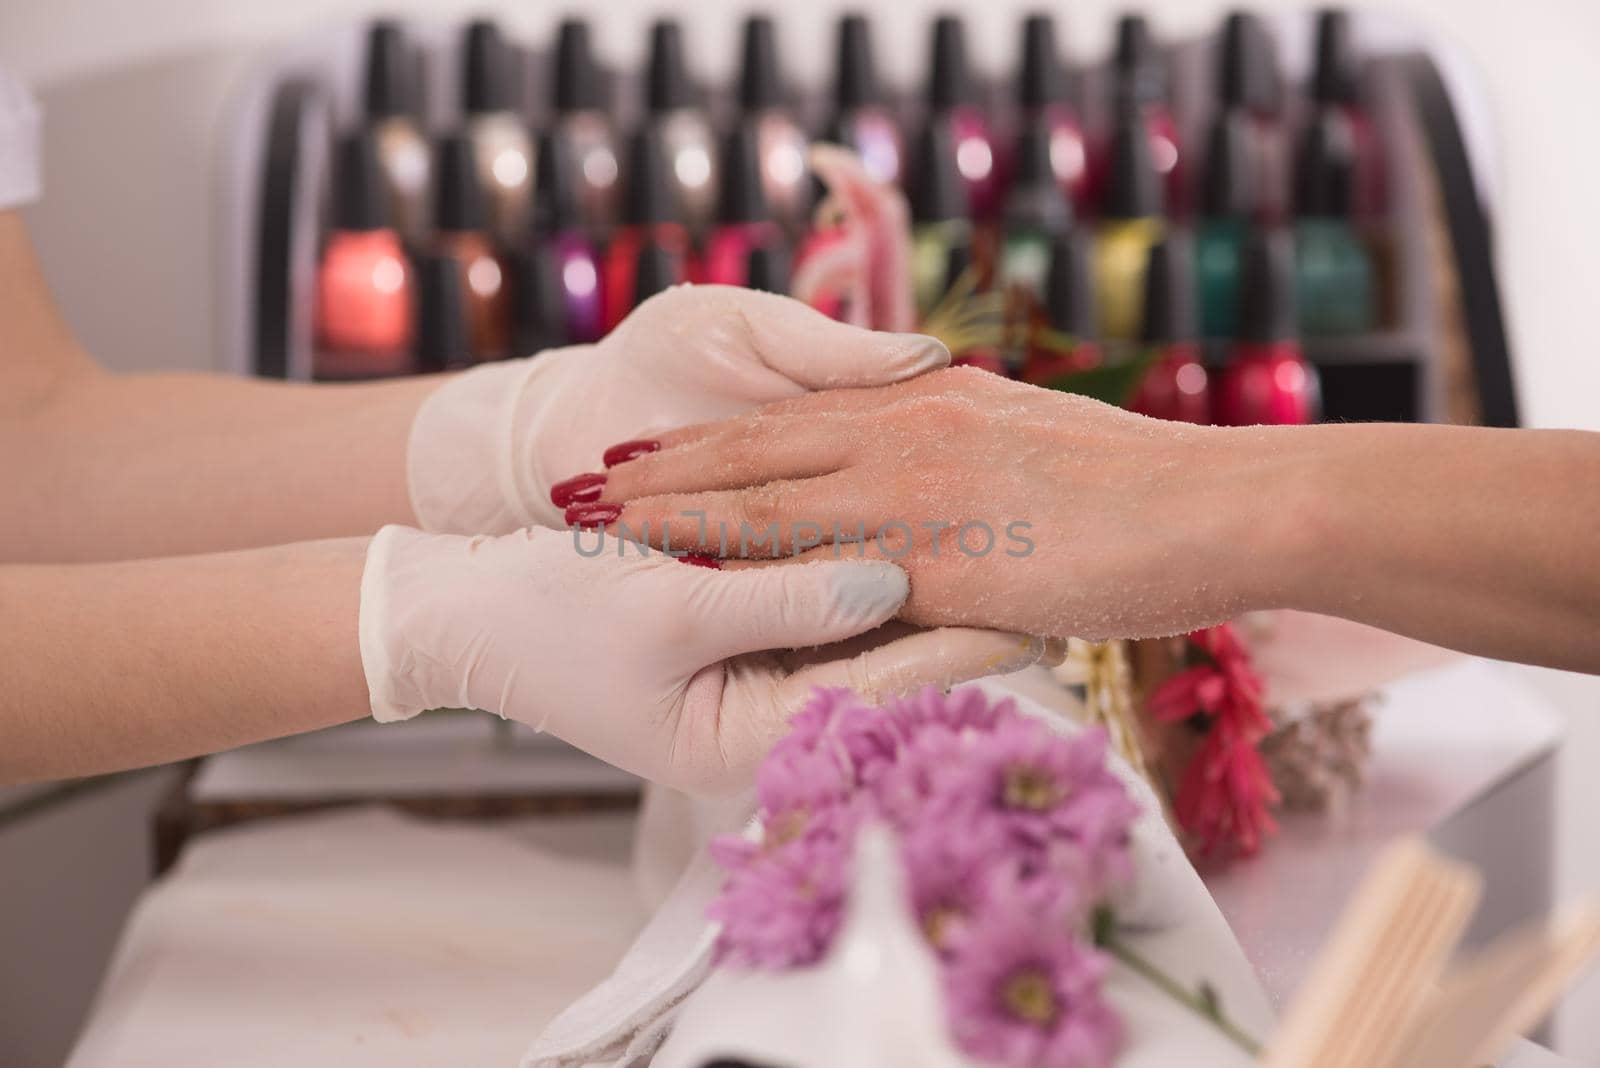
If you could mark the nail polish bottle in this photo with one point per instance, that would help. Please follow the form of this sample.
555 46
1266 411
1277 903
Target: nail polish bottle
686 132
1249 83
1036 210
1227 208
1042 97
538 306
939 206
1069 313
1267 379
1139 74
559 237
1176 386
1333 271
744 220
441 341
861 121
1130 223
783 144
1336 86
492 104
653 240
363 302
392 98
460 218
953 100
582 116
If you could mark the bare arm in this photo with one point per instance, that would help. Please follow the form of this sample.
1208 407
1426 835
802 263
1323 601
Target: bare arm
120 665
96 466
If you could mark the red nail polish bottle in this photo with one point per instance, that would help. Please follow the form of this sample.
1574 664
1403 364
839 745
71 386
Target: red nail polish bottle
1139 80
744 222
364 284
1042 95
1176 385
1250 84
1336 85
1267 379
654 243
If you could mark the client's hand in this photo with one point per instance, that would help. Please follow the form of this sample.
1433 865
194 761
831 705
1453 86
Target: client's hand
650 664
1009 506
487 446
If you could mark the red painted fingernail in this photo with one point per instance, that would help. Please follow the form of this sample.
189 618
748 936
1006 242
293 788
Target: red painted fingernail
628 450
700 560
591 516
581 489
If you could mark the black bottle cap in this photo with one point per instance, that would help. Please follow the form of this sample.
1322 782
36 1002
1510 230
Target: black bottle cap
1036 199
360 198
1248 66
538 305
458 203
1133 188
578 83
441 326
490 70
1325 168
744 198
855 79
767 268
949 82
1335 78
760 77
1266 288
391 71
1227 187
1043 81
1169 295
650 192
1136 64
667 84
655 270
1068 291
555 184
935 187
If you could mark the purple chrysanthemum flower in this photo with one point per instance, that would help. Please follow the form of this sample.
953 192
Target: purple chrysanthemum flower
835 744
958 711
1027 993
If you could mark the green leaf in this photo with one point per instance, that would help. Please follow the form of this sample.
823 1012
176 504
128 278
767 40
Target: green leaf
1111 383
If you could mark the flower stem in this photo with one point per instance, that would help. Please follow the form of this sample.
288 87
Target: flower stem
1203 1002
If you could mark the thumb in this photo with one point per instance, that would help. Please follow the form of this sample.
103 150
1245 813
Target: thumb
816 352
790 606
941 657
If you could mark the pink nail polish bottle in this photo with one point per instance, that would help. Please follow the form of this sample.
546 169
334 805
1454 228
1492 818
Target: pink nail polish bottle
744 218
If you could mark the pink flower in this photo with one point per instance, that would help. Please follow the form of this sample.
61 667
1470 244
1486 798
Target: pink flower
1027 993
835 744
958 711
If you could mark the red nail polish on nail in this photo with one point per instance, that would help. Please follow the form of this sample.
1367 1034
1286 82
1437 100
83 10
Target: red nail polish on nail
628 450
592 516
700 560
581 489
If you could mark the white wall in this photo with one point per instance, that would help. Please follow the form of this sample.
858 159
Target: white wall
135 94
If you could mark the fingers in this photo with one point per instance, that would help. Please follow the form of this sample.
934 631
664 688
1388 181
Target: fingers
734 612
774 519
744 452
817 352
942 657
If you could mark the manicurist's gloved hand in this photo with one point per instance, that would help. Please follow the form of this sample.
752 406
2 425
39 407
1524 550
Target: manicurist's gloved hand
488 445
648 663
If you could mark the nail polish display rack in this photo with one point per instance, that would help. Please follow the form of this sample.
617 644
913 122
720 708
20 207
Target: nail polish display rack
1439 353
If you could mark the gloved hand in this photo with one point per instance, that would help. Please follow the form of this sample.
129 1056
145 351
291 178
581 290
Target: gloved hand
487 446
650 664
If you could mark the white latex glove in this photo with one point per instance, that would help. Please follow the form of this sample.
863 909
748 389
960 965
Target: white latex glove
487 446
648 663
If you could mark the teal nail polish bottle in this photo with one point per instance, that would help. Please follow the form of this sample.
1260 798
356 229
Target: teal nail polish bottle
1333 271
1227 207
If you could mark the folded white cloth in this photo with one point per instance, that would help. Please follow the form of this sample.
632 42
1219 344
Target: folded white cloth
1172 920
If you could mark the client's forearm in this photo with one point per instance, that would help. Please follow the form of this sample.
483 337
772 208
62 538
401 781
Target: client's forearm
1478 539
116 467
111 666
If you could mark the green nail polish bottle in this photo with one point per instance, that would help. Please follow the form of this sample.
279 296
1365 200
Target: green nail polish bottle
1333 271
1227 206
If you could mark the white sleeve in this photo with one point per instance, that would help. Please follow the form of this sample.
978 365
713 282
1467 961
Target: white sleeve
19 143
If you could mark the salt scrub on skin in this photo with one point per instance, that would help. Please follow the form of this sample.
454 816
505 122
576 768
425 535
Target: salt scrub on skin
1010 835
